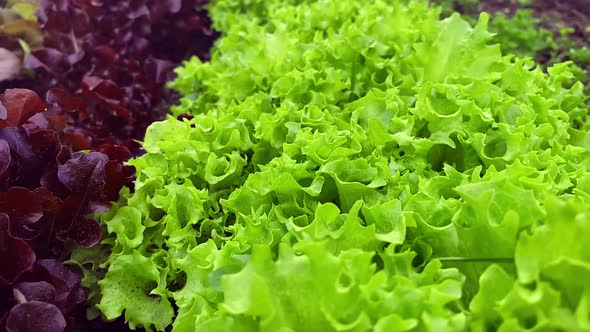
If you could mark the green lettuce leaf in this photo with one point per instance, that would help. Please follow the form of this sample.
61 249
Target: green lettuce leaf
355 166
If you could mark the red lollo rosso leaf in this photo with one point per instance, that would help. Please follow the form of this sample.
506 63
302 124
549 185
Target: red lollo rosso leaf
85 232
37 291
117 57
63 279
159 71
21 206
106 90
35 316
46 192
84 173
25 163
118 153
50 119
70 220
45 144
69 292
136 10
51 281
19 105
30 154
173 6
49 59
17 255
5 157
65 154
3 112
44 242
76 138
111 61
116 178
105 55
50 182
53 60
65 100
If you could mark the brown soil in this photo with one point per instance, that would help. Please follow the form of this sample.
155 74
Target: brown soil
556 14
508 7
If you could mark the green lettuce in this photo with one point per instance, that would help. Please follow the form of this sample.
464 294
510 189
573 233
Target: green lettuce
354 166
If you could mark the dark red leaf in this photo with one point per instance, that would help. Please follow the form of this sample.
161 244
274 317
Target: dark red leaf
84 173
97 3
159 71
3 112
51 182
173 6
69 293
116 179
49 59
85 232
51 119
60 273
102 89
5 157
45 144
19 104
21 206
26 165
35 316
118 153
49 201
73 212
64 155
105 55
35 123
74 58
77 139
119 54
65 100
137 11
37 291
110 61
17 255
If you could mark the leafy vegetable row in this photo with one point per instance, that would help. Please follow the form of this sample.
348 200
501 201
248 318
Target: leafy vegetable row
46 191
118 56
102 67
354 166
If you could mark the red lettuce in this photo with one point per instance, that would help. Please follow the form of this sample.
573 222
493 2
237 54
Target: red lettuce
116 57
102 69
46 194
